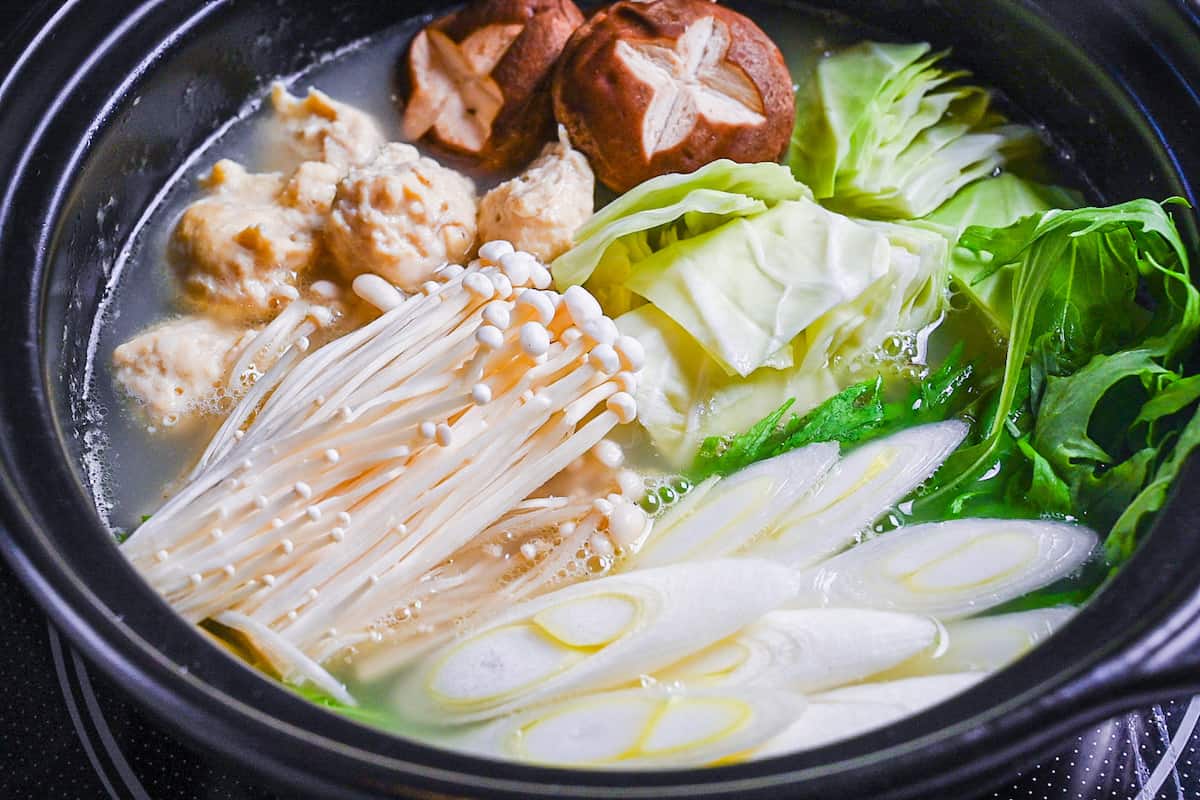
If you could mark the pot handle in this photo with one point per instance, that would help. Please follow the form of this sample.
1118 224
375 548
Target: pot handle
1142 629
1164 662
1169 660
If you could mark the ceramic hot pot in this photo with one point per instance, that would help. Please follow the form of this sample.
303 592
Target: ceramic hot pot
102 102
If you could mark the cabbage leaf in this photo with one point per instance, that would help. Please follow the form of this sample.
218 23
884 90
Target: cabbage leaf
745 290
909 296
672 207
884 131
684 396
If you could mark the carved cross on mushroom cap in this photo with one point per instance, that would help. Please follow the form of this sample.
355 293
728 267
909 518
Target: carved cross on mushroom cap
453 91
690 78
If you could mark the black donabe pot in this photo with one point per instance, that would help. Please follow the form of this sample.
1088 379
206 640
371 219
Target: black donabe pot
110 98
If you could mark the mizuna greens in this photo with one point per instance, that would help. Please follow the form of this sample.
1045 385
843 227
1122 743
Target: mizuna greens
855 415
1095 389
993 203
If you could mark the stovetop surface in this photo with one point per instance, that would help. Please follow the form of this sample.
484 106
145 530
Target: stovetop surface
67 733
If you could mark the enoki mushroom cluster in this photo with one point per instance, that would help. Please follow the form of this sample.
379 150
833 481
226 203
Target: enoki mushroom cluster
349 478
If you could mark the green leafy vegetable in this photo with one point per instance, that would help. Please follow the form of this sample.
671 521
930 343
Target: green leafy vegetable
1046 490
856 415
684 395
994 203
1075 287
1071 402
718 284
725 456
909 297
356 713
122 535
883 131
1094 412
664 210
745 290
852 415
1123 538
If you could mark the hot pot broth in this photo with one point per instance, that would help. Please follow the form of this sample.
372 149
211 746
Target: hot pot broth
752 559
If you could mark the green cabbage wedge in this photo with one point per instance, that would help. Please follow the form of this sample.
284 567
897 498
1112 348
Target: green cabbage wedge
884 131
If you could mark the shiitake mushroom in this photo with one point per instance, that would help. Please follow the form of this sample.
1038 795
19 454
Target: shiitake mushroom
647 88
476 82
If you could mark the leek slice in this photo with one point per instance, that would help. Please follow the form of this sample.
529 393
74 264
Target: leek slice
985 643
856 492
855 710
641 728
823 723
728 514
591 636
808 650
949 569
911 694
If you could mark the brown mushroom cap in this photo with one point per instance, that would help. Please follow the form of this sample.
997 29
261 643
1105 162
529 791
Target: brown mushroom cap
647 88
507 49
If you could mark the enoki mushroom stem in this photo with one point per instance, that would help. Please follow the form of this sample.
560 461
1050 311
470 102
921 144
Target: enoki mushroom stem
358 480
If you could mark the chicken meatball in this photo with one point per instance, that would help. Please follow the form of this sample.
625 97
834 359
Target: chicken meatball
181 367
540 210
319 128
401 217
244 247
311 190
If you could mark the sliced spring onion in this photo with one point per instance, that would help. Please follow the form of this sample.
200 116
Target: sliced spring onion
985 643
856 492
827 722
912 694
641 728
591 636
855 710
951 569
726 515
808 650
